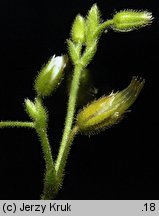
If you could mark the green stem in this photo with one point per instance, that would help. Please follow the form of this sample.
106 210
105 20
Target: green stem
68 136
4 124
69 116
106 24
41 129
45 147
103 26
49 190
63 155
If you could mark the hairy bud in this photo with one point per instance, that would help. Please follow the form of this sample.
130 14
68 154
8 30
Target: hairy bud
92 23
36 112
129 20
108 110
78 30
30 109
50 76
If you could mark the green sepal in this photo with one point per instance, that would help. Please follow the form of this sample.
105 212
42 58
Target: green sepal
89 53
37 112
78 30
42 115
74 51
108 110
30 109
128 20
92 23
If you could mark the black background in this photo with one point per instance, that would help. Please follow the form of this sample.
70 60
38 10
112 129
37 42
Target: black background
120 163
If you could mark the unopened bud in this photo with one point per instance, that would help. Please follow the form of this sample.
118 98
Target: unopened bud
108 110
93 17
50 76
78 30
74 51
129 20
92 24
30 109
36 112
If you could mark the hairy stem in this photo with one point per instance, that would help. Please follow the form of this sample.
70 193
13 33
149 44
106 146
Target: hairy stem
41 129
45 147
69 117
49 177
4 124
68 135
106 24
63 155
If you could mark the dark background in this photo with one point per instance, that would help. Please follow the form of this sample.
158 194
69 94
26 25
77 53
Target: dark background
120 163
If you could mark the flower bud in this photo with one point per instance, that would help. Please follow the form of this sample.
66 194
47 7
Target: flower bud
108 110
74 51
78 30
36 111
42 116
30 109
129 20
93 18
50 76
92 24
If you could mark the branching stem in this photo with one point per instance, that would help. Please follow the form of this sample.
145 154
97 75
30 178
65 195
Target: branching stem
67 137
70 114
63 155
49 190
